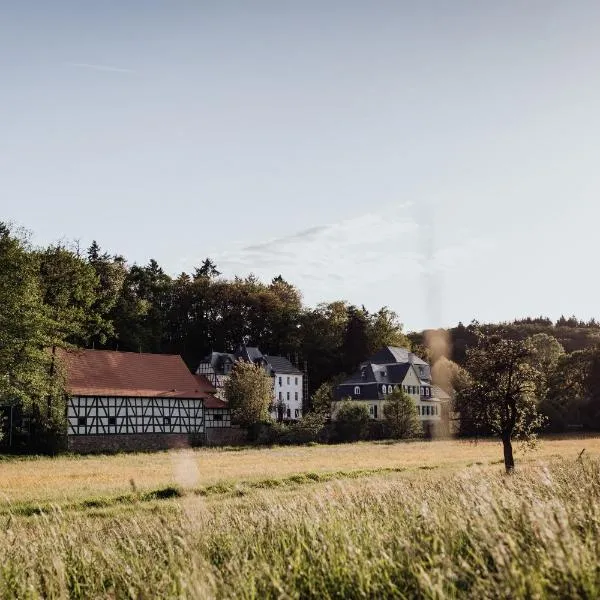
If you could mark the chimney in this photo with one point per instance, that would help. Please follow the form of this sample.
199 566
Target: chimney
411 358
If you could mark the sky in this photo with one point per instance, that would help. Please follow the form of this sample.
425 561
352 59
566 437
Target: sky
439 158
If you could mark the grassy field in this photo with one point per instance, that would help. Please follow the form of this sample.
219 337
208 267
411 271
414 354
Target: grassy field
370 520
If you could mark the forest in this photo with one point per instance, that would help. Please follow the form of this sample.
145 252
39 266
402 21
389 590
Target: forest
63 296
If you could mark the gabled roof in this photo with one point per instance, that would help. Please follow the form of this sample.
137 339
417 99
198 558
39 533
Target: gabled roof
282 365
204 385
394 354
248 353
377 373
216 360
110 373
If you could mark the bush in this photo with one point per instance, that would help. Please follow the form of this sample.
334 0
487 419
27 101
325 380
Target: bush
401 416
351 422
264 433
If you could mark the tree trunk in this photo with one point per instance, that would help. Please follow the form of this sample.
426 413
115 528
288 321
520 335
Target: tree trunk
509 461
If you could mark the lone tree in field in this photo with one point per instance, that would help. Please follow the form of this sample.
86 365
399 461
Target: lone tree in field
501 399
401 415
249 393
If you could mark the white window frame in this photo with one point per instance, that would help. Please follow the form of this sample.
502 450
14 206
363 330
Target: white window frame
357 390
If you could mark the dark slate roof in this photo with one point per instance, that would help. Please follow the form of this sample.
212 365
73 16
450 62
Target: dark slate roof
279 364
249 353
375 373
370 391
272 364
393 354
216 360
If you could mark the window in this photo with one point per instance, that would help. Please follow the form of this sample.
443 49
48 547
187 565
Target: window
397 388
363 373
112 420
296 396
371 409
166 420
280 382
296 413
419 410
288 396
82 421
357 390
289 413
296 380
383 373
404 388
374 411
217 417
280 396
288 381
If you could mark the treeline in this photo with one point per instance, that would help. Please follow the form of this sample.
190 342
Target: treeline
572 333
563 360
64 296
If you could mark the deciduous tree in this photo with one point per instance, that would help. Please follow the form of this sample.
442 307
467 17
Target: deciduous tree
401 415
501 399
249 392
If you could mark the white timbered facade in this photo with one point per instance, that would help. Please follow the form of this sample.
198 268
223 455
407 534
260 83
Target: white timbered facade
99 415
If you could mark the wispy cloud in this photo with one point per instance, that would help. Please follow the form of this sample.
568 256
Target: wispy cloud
378 255
106 68
331 252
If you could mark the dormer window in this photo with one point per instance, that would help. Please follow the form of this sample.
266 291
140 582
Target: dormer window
357 390
363 373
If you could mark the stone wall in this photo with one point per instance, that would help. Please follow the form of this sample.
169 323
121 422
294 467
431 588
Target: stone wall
225 436
131 442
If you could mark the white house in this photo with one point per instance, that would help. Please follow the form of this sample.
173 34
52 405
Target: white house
288 380
390 369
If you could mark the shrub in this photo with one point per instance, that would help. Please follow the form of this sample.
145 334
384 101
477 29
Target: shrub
401 416
351 421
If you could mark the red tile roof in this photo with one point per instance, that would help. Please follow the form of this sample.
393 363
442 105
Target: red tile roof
210 400
111 373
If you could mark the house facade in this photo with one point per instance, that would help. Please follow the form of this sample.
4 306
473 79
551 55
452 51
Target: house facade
287 379
388 370
134 401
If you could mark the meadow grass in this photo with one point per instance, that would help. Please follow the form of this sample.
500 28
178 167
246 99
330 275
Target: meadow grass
472 532
66 479
368 520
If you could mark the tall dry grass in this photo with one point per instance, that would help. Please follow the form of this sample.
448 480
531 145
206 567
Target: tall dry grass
474 533
66 478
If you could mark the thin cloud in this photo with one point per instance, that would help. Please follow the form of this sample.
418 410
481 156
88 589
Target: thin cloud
105 68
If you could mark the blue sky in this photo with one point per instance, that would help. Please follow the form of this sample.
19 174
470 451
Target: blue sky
436 157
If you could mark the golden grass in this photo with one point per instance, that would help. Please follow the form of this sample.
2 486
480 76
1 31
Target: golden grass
447 533
69 478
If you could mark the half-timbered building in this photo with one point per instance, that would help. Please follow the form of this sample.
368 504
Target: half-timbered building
289 383
129 401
